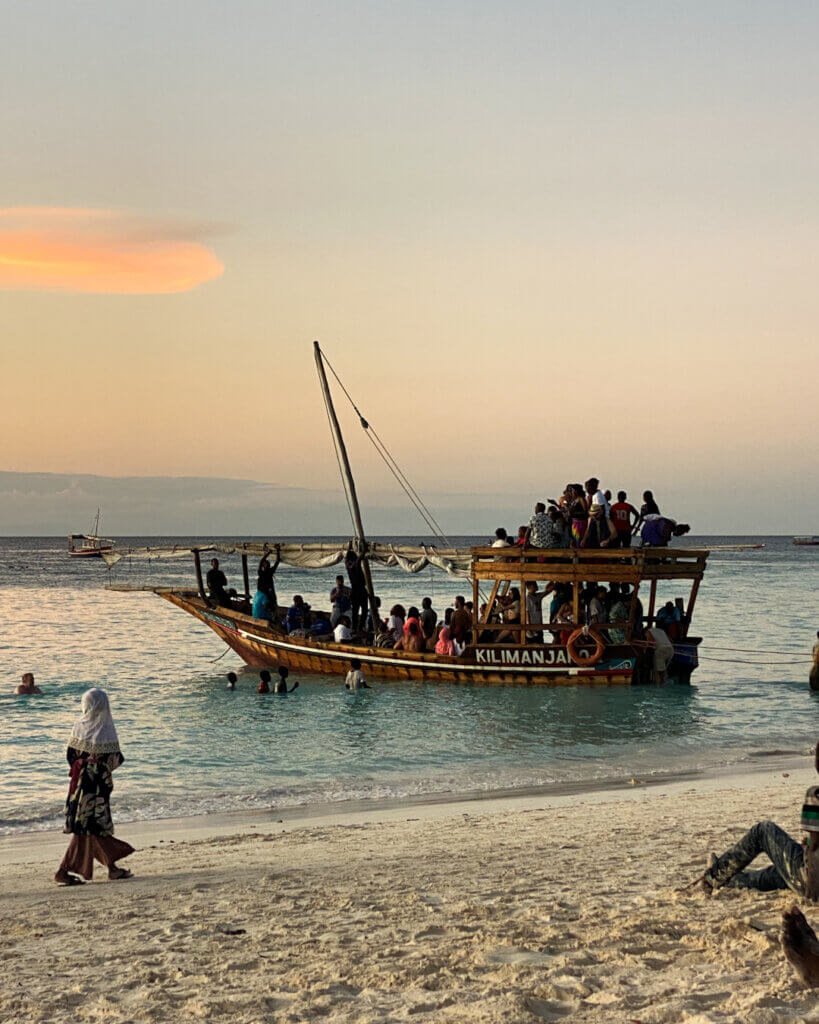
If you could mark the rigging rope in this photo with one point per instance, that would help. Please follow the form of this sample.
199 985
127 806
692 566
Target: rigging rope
429 519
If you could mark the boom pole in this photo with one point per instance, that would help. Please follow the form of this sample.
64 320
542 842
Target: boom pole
349 485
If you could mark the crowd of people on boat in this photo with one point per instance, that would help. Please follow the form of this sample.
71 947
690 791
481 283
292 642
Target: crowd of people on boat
583 517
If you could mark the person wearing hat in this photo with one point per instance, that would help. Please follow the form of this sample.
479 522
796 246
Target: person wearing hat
788 869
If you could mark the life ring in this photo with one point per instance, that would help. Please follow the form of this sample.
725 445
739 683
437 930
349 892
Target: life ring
585 633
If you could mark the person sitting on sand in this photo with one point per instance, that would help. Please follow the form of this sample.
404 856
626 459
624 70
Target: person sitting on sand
231 678
355 677
264 681
28 686
280 686
789 864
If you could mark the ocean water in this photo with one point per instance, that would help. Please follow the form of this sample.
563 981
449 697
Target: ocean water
192 747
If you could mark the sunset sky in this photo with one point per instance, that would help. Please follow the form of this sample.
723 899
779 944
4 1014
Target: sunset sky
539 241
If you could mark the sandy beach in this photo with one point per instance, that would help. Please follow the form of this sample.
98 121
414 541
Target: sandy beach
551 908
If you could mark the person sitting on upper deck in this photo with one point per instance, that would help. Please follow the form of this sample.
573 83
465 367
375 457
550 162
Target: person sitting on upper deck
429 618
460 624
342 633
297 614
341 600
217 582
265 581
657 531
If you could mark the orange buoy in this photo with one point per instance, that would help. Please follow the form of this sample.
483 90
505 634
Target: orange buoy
585 633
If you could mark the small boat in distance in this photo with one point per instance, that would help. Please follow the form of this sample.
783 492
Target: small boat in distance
90 545
806 542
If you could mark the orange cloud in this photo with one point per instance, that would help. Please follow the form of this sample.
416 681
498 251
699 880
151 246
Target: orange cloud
79 250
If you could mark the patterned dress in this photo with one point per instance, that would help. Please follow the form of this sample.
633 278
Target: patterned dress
88 806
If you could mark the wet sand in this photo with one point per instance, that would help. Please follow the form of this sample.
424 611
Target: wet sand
541 907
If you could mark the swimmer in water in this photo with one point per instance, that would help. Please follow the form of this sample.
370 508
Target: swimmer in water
231 678
281 682
355 677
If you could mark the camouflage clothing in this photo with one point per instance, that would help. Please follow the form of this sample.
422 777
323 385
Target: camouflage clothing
787 870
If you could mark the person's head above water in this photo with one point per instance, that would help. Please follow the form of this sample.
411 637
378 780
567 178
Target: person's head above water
27 684
355 664
284 672
231 678
264 681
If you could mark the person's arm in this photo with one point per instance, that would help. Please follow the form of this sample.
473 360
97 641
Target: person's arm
278 557
294 686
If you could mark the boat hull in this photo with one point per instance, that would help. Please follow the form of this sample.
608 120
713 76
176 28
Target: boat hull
264 646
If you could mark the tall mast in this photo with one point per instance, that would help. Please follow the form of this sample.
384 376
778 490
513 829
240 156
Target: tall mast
349 484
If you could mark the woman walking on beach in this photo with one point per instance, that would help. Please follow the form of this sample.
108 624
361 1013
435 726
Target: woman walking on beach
93 754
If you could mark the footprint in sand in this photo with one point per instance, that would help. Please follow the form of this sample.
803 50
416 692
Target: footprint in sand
517 957
549 1009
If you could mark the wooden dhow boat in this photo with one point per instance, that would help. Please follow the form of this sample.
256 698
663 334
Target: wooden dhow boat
556 653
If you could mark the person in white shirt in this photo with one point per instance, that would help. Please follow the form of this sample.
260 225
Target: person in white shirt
342 632
501 538
663 651
355 677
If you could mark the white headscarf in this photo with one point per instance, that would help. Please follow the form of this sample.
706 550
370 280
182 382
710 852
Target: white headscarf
94 731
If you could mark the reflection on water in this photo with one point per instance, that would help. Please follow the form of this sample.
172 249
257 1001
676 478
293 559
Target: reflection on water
193 746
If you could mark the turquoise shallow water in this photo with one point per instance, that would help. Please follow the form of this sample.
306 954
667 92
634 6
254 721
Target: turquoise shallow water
193 747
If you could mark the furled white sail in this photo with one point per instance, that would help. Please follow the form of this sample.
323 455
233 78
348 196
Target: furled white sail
410 558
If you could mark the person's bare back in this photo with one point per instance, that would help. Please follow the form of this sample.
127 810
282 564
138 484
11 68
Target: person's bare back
28 686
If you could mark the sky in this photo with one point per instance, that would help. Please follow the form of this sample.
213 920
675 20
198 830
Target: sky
538 241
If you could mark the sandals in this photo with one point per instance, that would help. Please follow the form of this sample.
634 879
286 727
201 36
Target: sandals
118 873
69 880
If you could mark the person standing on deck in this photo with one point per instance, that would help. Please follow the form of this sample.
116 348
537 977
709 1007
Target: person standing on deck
217 582
648 508
261 606
340 600
358 589
621 513
93 754
265 582
534 609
